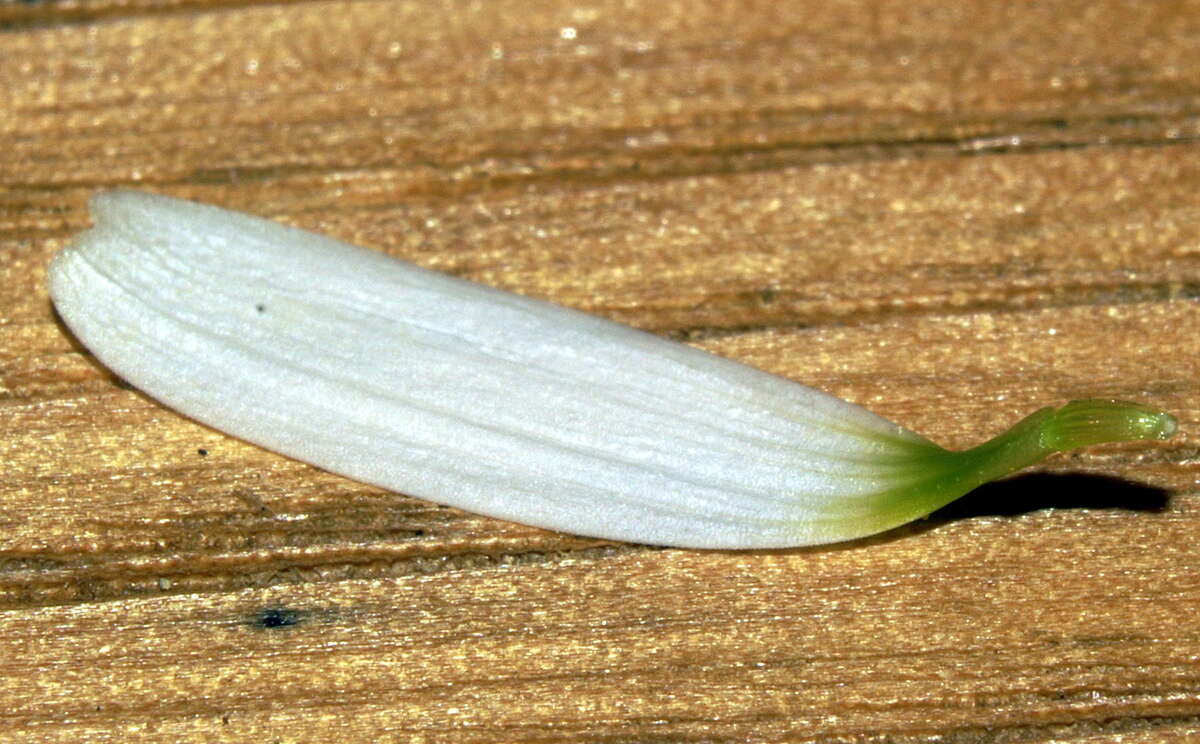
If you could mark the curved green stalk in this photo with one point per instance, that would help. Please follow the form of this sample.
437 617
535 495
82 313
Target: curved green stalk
941 476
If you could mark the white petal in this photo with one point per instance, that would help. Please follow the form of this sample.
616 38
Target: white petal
465 395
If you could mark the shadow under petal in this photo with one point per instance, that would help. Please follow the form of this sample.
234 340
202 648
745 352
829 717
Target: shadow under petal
1037 491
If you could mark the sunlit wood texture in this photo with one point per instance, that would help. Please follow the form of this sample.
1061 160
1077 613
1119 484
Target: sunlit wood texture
953 213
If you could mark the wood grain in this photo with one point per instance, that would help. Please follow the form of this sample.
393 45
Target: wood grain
953 214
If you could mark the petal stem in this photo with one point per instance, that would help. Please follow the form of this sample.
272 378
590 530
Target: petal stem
1079 423
950 475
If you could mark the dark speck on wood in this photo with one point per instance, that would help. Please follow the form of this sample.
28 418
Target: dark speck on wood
276 617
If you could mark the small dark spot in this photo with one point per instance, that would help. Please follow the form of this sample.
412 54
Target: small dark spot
276 617
768 295
202 452
418 533
260 307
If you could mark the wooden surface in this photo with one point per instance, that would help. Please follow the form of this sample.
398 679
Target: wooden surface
953 213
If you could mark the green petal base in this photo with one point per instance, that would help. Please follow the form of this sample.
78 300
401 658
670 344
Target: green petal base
948 475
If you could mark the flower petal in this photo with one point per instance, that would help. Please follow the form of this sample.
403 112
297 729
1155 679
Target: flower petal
454 392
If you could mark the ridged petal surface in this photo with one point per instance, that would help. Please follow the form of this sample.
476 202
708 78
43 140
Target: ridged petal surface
451 391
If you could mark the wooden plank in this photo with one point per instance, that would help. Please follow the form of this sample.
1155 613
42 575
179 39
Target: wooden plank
952 215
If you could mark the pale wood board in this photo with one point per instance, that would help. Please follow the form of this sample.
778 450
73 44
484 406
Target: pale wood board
950 213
